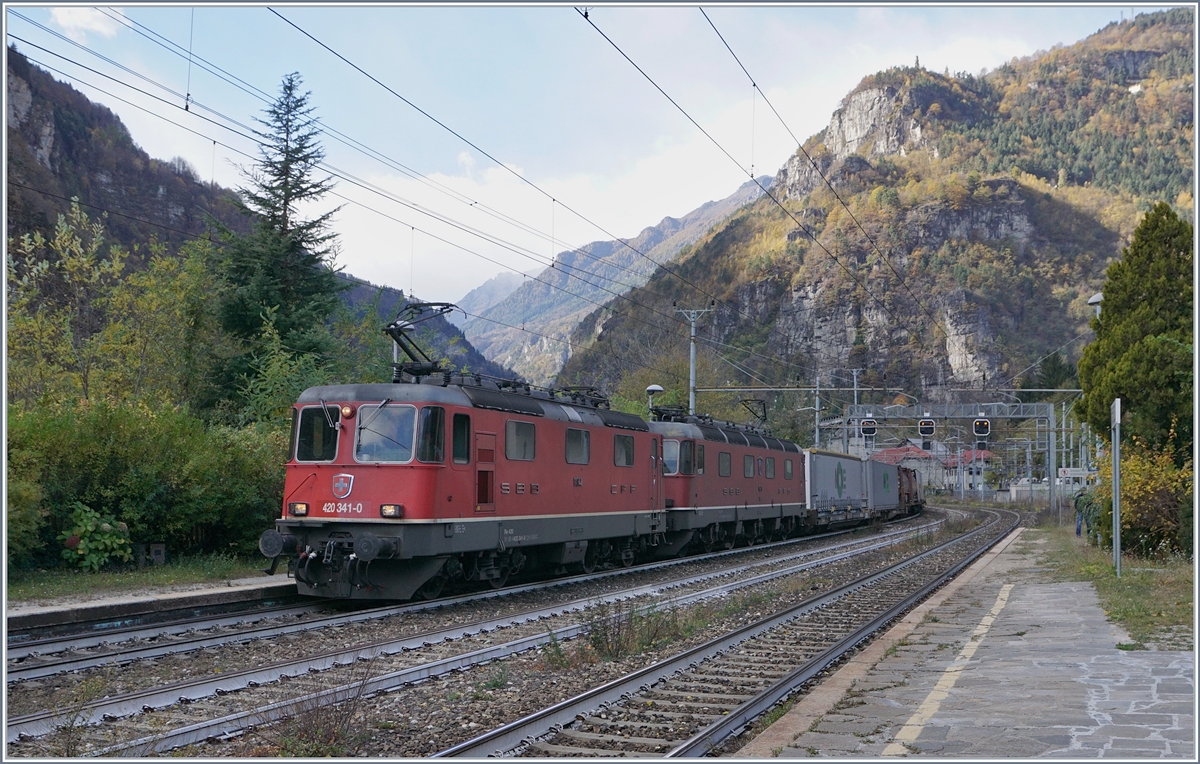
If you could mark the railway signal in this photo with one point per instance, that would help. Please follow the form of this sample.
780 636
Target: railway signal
867 427
926 428
982 428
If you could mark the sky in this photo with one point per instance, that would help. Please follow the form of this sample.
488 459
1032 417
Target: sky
549 137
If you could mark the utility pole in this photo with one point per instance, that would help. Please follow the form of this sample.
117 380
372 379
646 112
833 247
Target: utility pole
855 373
817 416
692 316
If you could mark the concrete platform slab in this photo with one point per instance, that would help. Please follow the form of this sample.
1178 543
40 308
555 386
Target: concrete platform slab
1043 679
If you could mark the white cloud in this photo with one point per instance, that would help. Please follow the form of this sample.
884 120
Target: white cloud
466 162
77 22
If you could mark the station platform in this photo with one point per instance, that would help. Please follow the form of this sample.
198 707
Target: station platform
23 616
1001 663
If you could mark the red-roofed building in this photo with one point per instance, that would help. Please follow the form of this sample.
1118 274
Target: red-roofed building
927 466
974 463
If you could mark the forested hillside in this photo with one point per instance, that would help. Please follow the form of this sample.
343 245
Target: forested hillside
61 145
965 223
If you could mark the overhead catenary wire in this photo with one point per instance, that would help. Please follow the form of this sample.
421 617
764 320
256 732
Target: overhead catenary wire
336 173
217 243
346 140
245 127
412 228
505 167
353 180
332 170
766 191
815 167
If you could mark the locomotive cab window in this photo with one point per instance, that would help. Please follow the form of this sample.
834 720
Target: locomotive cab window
520 441
787 469
579 446
670 457
770 468
385 433
317 433
433 434
687 462
724 464
748 466
623 450
462 439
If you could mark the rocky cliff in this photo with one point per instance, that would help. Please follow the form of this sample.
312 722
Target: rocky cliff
942 231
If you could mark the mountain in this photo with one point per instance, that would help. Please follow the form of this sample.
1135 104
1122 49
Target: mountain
442 340
485 296
966 222
61 145
552 303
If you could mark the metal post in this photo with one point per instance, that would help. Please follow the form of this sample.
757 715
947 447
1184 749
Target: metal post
1054 467
817 415
855 373
961 478
692 316
692 374
845 431
1115 413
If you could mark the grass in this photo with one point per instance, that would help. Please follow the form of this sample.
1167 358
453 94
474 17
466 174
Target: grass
322 731
1150 600
28 585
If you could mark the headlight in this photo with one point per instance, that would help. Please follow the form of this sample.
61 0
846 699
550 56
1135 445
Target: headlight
347 412
391 510
298 508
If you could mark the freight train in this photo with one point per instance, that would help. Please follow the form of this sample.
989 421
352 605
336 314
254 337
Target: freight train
394 491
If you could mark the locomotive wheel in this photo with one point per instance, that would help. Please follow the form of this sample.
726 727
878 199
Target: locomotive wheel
431 588
589 560
499 582
623 559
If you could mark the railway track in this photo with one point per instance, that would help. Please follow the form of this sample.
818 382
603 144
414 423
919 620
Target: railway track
689 704
394 664
37 659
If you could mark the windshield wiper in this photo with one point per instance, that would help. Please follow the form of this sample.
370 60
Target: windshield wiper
328 418
363 425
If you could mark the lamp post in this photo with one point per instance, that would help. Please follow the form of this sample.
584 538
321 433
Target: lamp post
651 391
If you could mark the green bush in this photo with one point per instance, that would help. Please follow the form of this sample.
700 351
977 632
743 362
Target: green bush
25 514
160 471
91 540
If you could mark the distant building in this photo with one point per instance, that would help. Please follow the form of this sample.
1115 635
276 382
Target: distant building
974 465
931 470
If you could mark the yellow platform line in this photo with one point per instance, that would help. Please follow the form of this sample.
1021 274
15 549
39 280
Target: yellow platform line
912 728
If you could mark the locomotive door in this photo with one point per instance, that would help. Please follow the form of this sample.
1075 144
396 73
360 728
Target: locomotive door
485 472
655 472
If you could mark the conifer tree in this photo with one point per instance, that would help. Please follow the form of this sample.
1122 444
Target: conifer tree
286 263
285 267
1144 344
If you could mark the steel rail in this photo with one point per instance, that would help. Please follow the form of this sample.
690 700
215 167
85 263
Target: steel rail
745 714
510 736
45 722
35 668
33 648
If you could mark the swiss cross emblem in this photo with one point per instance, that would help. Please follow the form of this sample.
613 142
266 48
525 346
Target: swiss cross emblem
342 485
